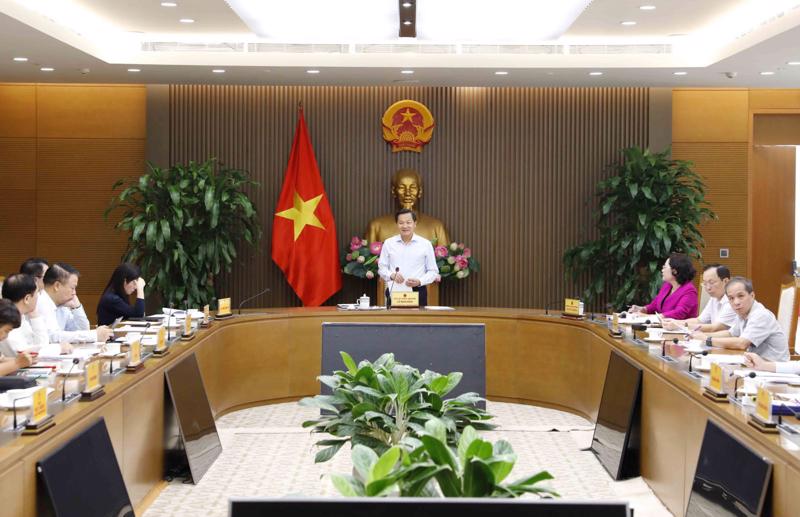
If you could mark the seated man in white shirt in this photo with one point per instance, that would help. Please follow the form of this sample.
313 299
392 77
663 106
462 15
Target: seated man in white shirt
62 310
717 315
756 362
407 261
9 320
756 329
31 335
36 267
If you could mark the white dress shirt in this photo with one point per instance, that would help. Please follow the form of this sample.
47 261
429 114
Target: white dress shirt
718 310
415 259
787 367
764 333
30 335
64 324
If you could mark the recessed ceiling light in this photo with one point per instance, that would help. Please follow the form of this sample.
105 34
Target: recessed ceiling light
679 73
21 59
792 63
186 20
407 72
595 73
169 4
47 69
407 22
767 73
134 69
501 72
407 4
647 7
218 71
627 23
312 71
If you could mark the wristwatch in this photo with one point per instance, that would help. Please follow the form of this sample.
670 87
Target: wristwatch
708 341
76 308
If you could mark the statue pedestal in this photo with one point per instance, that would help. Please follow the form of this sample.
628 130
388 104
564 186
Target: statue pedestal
433 293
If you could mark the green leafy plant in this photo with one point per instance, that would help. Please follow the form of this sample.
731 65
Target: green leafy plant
387 403
184 223
650 207
476 468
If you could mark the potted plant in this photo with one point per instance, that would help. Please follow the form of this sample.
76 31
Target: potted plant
183 225
651 206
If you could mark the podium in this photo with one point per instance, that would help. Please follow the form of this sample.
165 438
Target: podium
380 297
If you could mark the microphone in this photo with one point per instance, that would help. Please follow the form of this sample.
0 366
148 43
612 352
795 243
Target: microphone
751 375
14 408
64 387
252 298
550 305
693 355
664 346
169 314
389 290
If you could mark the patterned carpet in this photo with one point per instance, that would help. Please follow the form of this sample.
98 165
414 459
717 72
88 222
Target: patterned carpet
261 447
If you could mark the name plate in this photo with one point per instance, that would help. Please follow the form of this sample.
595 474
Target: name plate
615 323
764 405
161 340
408 299
716 378
136 352
224 307
39 411
572 307
187 324
92 375
206 314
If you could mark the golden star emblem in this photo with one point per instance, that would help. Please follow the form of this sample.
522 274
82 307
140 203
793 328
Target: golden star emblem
408 115
302 214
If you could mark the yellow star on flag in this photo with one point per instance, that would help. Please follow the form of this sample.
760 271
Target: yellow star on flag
302 213
408 115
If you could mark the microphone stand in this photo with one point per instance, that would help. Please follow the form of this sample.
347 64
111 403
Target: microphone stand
693 355
169 315
252 298
389 290
751 375
14 409
64 386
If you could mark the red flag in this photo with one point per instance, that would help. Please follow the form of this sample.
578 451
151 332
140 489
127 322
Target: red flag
304 242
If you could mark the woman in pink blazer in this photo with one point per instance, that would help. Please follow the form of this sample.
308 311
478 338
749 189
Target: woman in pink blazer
677 298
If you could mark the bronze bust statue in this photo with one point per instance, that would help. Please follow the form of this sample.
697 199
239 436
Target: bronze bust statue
407 191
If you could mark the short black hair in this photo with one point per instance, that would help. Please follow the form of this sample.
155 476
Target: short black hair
16 287
405 211
722 271
9 314
59 272
682 265
34 266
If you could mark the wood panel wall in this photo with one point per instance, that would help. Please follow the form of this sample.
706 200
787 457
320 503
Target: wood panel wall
511 171
61 149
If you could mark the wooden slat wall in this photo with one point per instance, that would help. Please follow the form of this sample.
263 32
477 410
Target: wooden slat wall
61 149
511 171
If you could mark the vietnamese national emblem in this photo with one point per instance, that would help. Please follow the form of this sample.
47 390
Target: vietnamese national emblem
407 125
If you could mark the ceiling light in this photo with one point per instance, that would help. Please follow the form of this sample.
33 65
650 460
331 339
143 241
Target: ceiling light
647 7
186 20
767 73
407 4
407 72
312 71
47 69
134 69
595 73
23 59
679 73
218 71
628 23
501 72
792 63
407 22
169 4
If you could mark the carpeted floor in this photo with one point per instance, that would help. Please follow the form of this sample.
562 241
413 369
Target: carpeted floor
267 453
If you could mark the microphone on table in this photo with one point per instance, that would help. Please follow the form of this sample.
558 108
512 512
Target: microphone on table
169 314
75 361
693 355
389 289
664 346
751 375
252 298
14 408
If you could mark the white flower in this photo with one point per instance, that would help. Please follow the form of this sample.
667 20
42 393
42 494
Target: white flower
453 246
451 260
460 274
360 259
370 275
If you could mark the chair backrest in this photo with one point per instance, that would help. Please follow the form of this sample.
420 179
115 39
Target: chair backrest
704 297
787 312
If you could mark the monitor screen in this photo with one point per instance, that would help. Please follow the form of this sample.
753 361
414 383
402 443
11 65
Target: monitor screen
197 426
615 416
402 507
730 479
83 478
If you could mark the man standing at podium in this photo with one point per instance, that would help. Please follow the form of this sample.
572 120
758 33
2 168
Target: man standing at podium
407 262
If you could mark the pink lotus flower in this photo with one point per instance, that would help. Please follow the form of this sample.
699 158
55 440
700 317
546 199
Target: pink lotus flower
355 243
440 251
467 253
370 275
461 245
348 257
376 247
461 262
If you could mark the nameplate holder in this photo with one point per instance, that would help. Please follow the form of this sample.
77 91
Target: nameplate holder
92 389
224 308
762 418
206 316
572 309
188 335
405 300
40 421
714 390
135 353
161 348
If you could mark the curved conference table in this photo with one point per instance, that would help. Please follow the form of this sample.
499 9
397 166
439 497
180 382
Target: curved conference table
531 358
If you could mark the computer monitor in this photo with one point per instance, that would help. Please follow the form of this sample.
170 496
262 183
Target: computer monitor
196 423
730 479
617 431
83 478
402 507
